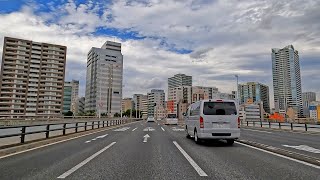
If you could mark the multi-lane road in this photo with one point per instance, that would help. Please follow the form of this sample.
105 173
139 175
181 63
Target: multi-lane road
143 150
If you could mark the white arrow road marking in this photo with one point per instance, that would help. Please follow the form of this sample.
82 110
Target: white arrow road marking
191 161
134 129
145 138
162 129
99 137
64 175
304 148
148 129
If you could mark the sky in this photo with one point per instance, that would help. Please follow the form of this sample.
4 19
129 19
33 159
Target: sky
212 40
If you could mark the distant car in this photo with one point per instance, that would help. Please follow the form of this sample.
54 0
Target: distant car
171 119
150 119
213 119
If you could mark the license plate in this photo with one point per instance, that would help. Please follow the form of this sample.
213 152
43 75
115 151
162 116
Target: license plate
221 125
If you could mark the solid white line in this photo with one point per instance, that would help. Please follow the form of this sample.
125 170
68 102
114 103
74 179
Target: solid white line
257 131
12 154
162 129
134 129
279 155
191 161
66 174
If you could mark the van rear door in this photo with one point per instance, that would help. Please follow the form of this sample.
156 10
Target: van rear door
220 114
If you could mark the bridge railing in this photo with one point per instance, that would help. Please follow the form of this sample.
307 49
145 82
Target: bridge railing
49 129
282 125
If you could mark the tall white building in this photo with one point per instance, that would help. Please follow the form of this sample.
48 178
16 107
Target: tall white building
286 79
156 99
104 79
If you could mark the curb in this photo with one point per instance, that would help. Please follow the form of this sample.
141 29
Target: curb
294 155
56 139
282 130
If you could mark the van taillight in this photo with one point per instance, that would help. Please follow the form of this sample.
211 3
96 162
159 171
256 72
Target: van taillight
201 122
238 122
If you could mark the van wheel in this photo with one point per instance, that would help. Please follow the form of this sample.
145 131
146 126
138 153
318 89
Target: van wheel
196 139
187 134
230 141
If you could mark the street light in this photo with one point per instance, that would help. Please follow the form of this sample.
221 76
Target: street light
237 77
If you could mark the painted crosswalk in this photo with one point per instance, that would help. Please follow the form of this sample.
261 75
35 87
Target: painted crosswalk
122 129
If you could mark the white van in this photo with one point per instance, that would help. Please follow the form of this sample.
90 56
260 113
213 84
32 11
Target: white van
213 119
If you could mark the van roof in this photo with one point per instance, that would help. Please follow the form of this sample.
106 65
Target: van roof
223 100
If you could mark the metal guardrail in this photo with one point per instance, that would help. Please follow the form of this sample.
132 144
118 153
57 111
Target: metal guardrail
281 124
88 125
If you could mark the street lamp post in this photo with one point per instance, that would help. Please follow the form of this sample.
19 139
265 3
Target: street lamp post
237 77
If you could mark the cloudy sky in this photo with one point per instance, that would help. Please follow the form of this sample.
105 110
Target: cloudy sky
212 40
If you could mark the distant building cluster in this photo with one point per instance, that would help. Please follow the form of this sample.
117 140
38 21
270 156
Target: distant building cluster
32 84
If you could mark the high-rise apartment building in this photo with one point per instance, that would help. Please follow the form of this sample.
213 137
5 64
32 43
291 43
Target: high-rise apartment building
179 80
127 103
104 79
141 103
156 99
70 96
32 78
81 105
286 79
307 98
256 92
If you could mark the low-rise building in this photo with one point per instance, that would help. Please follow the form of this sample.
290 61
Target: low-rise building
251 112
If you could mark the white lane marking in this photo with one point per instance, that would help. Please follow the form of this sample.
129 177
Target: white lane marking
177 129
122 129
134 129
31 149
279 155
162 129
99 137
66 174
191 161
148 129
257 131
145 138
304 148
158 124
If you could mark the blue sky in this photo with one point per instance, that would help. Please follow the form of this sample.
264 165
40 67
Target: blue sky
209 39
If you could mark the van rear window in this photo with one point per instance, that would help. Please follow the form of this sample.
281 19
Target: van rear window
219 108
172 116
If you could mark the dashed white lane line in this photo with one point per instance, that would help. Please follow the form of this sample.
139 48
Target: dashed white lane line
134 129
99 137
66 174
162 129
257 131
279 155
191 161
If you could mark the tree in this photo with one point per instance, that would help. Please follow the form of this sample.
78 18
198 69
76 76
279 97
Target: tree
117 115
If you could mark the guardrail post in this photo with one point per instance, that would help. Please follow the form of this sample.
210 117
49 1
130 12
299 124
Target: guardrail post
48 130
269 124
254 124
76 127
247 123
291 126
92 125
260 123
85 126
102 123
279 125
305 125
23 131
64 129
98 124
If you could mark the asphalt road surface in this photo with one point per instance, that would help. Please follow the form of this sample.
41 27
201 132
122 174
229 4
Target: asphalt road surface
151 151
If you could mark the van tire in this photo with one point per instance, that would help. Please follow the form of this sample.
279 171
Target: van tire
196 139
187 134
230 142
